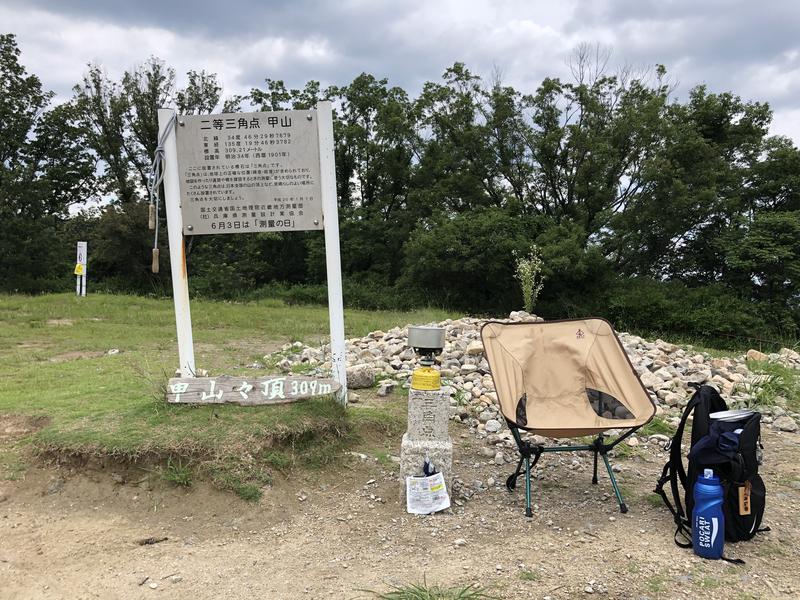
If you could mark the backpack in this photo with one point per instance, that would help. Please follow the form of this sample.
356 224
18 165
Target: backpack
734 457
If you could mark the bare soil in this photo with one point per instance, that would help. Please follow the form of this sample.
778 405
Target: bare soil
75 531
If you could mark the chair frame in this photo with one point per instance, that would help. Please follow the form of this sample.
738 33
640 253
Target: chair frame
527 451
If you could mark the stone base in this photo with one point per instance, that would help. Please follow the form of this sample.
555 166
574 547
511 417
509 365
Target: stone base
412 457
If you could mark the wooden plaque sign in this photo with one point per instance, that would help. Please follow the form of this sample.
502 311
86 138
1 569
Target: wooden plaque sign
247 391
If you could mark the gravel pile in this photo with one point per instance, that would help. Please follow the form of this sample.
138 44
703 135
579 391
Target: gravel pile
382 359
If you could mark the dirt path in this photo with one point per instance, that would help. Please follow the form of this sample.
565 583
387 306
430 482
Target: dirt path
70 534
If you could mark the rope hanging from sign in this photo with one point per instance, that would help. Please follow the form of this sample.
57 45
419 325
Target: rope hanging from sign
156 177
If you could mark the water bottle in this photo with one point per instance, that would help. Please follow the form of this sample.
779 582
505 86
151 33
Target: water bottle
708 522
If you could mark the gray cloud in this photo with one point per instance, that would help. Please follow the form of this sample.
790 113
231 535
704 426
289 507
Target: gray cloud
749 48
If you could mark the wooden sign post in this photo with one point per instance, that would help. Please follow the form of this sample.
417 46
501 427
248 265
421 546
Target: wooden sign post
247 391
249 173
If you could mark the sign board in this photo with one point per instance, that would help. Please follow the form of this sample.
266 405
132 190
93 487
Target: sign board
249 172
247 391
246 173
80 269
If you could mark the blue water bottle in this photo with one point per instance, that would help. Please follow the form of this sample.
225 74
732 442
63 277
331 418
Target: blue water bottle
708 522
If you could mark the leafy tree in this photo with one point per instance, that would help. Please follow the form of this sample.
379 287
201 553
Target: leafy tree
121 121
44 170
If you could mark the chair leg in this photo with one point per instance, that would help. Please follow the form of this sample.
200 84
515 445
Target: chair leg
528 511
594 477
622 507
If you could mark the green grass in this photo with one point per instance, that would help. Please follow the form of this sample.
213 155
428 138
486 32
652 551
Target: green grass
11 467
176 472
654 499
425 592
54 363
528 575
656 584
775 380
655 426
384 458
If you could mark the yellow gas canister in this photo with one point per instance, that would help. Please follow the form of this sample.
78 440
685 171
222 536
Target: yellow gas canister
426 378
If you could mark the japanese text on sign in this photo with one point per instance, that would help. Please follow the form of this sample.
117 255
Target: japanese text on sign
250 172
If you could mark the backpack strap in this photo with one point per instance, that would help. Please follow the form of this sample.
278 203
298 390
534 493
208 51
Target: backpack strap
675 474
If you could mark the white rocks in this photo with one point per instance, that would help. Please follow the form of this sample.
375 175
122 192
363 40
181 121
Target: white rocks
665 370
386 387
493 426
460 542
360 376
785 423
475 348
486 416
649 380
664 374
756 355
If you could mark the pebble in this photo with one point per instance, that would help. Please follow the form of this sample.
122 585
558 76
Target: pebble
785 423
55 486
493 426
460 542
665 369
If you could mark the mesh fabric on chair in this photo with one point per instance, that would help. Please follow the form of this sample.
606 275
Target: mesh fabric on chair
567 378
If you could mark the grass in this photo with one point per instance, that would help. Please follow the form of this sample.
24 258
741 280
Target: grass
54 363
657 426
654 499
656 584
11 467
774 380
176 472
528 575
425 592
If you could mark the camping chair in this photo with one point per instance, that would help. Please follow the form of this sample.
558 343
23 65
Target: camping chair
559 379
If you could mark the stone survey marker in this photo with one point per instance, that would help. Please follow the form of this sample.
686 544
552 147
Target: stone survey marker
247 391
249 172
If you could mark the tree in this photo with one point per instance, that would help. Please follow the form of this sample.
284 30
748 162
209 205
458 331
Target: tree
44 170
121 120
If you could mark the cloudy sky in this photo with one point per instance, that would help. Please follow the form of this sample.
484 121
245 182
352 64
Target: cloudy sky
750 48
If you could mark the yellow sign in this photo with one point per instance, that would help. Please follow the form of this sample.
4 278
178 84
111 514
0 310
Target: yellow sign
80 269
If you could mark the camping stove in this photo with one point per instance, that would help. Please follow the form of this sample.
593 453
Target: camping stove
427 342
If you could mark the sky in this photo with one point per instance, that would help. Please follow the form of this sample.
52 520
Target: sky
749 48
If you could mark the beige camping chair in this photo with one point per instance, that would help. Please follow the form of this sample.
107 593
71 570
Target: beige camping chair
560 379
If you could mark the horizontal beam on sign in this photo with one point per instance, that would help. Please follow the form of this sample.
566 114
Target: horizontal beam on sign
247 391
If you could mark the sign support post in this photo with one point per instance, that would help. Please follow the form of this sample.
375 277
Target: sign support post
245 173
80 270
177 248
333 263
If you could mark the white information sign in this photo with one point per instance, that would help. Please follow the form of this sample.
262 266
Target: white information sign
245 173
249 172
80 269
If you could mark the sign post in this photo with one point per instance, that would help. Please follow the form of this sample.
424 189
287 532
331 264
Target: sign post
177 249
333 262
80 270
250 173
